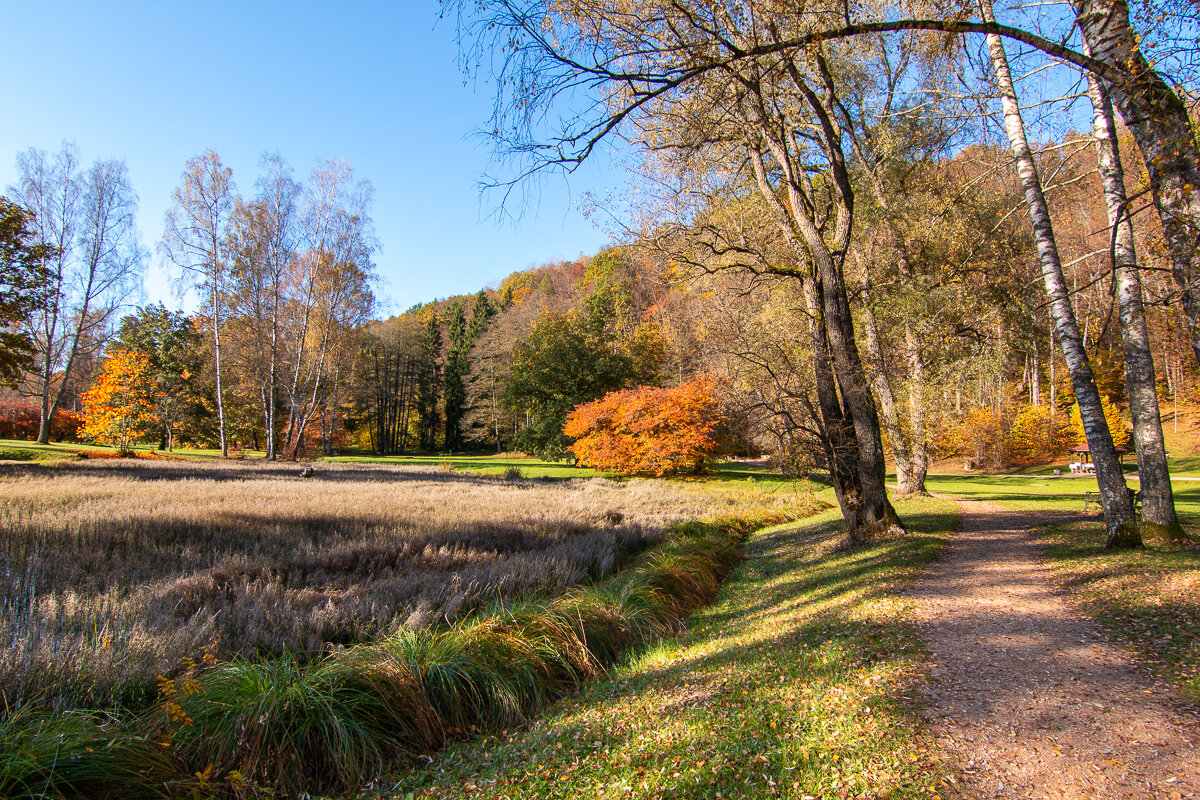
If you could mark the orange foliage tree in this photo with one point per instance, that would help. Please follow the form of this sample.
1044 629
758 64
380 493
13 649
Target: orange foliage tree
123 404
646 430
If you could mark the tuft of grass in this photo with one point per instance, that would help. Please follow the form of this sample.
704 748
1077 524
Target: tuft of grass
73 754
296 728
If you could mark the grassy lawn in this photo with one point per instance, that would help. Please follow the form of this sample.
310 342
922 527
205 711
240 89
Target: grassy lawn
529 467
1049 493
795 683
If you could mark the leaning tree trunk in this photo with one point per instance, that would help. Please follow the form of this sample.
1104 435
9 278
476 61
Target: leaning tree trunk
1158 119
1118 509
1158 503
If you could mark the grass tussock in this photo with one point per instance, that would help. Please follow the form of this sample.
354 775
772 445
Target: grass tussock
112 572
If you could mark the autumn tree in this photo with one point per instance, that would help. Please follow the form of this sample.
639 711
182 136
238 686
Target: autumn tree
170 341
123 404
331 291
776 119
647 430
262 242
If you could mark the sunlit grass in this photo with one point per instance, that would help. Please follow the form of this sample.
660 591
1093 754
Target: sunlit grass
795 683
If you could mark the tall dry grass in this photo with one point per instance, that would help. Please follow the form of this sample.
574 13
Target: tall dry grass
111 573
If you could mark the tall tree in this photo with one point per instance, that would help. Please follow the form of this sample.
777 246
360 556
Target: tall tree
331 288
194 240
453 392
1118 510
262 243
92 262
428 381
1158 502
682 80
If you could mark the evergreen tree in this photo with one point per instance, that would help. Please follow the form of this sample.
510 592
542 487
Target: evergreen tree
428 380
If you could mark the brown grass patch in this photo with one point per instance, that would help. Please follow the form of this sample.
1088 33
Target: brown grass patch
114 571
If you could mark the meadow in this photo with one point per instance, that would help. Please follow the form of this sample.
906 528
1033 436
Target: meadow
116 571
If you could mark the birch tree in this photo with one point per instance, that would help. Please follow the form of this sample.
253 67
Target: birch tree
1158 502
91 259
1118 510
262 243
330 290
194 240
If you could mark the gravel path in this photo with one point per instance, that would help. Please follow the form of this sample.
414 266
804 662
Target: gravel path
1026 694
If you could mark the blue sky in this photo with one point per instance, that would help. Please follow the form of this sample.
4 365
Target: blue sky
374 82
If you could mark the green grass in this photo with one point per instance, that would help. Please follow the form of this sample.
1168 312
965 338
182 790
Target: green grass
32 451
1149 598
796 682
479 464
1049 493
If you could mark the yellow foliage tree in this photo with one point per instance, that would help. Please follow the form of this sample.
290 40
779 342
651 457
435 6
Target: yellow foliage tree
1115 423
1035 437
123 404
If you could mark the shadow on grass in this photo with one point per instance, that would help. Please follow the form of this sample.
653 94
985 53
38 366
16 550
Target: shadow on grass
234 471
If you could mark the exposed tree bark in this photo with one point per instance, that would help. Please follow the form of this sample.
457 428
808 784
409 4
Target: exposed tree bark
1118 509
1158 503
1158 120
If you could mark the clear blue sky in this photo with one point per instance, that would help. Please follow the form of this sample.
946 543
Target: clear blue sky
374 82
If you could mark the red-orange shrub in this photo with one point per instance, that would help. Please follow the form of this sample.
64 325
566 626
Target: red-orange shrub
647 431
20 419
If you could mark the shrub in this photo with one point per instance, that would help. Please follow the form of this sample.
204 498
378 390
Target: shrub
647 430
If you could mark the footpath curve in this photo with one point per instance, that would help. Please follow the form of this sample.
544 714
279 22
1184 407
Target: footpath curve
1025 693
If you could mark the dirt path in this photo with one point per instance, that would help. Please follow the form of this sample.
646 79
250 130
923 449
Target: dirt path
1026 694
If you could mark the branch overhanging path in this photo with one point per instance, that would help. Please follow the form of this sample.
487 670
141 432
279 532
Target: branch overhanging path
1026 693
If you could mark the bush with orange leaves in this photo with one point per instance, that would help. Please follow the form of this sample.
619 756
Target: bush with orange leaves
647 430
122 406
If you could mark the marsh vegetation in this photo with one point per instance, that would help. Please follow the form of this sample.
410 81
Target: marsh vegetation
115 572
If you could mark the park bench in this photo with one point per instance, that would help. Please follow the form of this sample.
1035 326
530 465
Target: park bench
1093 499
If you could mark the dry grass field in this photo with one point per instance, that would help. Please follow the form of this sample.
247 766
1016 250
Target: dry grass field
114 572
